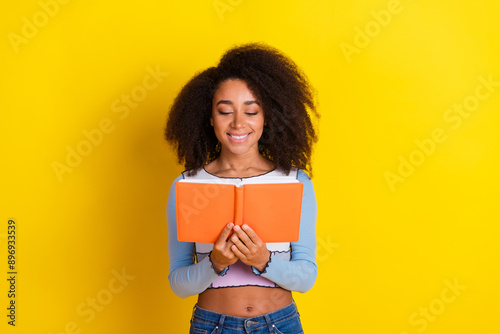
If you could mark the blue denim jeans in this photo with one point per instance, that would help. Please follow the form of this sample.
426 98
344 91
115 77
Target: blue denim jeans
283 321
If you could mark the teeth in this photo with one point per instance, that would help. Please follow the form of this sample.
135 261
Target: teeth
239 137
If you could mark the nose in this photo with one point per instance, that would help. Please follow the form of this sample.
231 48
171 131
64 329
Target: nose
238 121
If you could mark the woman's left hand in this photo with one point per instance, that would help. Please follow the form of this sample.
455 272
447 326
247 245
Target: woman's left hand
249 248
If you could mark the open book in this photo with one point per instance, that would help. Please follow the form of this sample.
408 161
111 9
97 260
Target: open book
271 209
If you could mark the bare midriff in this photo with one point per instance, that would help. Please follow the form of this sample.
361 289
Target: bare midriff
244 301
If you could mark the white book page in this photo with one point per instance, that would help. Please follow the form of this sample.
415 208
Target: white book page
241 182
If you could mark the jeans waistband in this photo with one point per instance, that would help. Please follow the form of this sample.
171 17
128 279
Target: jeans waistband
233 322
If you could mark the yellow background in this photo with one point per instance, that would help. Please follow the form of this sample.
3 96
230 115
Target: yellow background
386 254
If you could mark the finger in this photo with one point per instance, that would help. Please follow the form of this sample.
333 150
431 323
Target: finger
243 236
224 235
238 253
251 235
240 245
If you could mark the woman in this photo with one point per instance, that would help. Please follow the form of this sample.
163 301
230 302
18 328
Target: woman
246 118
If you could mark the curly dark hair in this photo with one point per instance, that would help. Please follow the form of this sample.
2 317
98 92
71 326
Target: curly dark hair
287 101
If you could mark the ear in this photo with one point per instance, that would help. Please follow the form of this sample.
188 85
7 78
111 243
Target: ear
211 121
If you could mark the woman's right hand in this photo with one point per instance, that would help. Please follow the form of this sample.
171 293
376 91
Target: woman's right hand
222 255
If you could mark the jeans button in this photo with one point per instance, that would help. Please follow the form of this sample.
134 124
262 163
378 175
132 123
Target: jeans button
250 323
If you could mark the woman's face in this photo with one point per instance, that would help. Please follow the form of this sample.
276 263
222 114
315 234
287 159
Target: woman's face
237 118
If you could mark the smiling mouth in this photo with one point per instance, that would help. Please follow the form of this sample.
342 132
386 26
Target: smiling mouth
238 137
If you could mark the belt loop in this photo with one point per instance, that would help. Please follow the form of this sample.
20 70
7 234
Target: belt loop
192 314
221 323
270 325
295 306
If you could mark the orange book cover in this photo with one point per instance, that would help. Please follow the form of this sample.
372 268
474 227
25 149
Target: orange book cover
272 210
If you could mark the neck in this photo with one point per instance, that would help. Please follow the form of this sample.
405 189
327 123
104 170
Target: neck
244 165
240 162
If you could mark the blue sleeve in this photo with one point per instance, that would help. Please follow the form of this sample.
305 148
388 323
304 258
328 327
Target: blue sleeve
186 277
298 274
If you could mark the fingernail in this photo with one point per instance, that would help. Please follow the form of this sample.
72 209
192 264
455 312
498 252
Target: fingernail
236 228
230 225
245 226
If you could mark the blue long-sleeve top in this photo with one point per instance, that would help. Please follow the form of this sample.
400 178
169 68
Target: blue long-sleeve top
292 266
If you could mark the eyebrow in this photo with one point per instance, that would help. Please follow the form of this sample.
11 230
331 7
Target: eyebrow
247 103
